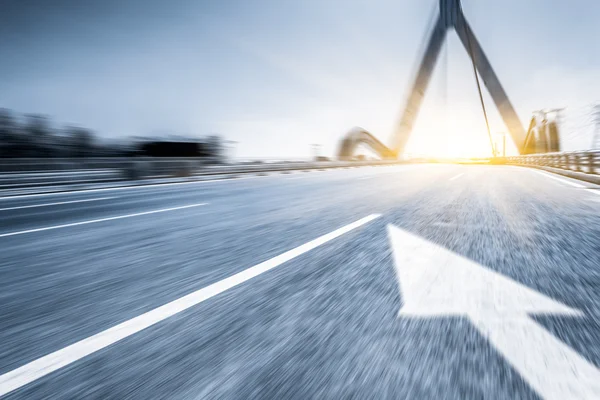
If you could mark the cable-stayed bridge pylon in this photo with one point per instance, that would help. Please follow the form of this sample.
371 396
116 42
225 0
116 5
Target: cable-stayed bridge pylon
542 135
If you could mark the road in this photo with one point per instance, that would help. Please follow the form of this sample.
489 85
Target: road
290 286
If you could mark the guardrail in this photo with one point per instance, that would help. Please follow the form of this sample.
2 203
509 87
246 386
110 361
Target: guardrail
577 161
28 173
10 165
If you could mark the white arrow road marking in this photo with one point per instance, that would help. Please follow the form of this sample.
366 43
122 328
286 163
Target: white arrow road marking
43 366
437 282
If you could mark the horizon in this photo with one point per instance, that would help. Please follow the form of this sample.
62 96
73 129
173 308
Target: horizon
279 77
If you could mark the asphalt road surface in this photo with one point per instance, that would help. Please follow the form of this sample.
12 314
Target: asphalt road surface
293 287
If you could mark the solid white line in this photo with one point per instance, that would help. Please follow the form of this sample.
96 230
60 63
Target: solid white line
26 185
396 170
457 176
93 221
74 172
568 182
53 361
73 192
595 191
55 204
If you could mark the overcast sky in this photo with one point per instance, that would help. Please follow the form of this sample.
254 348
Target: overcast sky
279 75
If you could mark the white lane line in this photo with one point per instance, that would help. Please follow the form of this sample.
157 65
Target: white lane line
93 221
74 192
595 191
568 182
396 170
457 176
150 186
56 204
53 361
74 172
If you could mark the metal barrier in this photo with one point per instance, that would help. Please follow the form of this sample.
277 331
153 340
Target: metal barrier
577 161
31 173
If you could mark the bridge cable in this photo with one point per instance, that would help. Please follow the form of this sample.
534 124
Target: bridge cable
487 124
445 81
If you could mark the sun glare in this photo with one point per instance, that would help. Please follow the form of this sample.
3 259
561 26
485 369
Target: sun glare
456 133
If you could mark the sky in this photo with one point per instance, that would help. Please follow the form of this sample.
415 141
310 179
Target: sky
277 76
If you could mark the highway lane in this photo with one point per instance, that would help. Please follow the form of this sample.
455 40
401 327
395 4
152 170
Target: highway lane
29 212
251 219
321 325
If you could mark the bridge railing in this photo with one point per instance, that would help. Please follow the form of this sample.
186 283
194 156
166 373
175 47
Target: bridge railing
31 173
577 161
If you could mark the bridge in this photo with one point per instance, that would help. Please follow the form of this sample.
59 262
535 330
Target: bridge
394 278
542 135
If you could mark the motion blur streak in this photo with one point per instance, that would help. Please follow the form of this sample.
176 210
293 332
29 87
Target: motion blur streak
55 204
93 221
61 358
189 304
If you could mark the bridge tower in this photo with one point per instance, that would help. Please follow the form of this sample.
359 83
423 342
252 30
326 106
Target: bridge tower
451 17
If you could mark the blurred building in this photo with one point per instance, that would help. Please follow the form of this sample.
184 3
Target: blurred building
34 136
